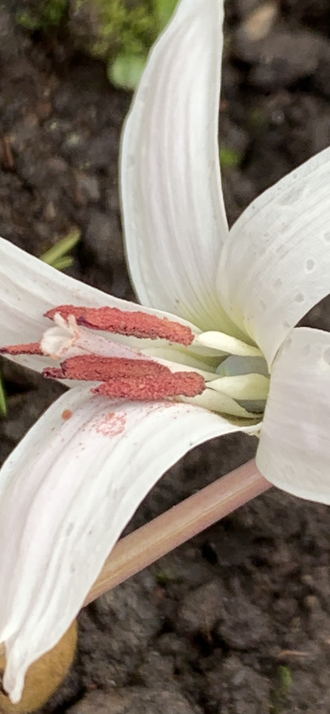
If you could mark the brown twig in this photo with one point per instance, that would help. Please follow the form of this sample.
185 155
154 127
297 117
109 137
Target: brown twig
145 545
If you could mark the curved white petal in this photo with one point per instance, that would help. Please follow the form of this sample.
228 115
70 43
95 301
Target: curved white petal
66 493
29 287
173 211
294 449
276 264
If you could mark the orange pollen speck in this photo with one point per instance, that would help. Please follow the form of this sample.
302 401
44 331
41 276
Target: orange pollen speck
125 322
67 414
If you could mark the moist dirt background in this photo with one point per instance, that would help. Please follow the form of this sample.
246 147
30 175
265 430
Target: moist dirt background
237 621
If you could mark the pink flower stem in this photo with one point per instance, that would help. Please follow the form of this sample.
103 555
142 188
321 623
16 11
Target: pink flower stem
145 545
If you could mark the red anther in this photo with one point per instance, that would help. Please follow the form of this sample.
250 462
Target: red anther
124 322
148 388
32 348
130 379
100 369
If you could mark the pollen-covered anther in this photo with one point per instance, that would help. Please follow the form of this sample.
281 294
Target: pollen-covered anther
99 369
149 388
125 378
31 348
125 322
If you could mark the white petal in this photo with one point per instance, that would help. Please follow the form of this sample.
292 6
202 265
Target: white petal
67 492
276 264
294 450
173 211
29 287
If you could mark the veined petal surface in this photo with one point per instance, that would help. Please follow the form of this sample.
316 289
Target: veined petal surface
29 287
275 265
294 449
173 211
66 493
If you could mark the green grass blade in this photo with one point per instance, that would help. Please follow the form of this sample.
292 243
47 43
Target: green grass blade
3 401
59 251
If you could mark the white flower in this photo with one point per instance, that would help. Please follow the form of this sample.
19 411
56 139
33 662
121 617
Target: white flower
72 484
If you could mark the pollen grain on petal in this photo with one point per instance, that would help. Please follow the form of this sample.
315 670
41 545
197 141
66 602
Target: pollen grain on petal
111 424
31 348
124 322
67 414
149 388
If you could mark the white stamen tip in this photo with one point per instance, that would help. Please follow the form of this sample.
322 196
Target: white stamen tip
226 343
243 386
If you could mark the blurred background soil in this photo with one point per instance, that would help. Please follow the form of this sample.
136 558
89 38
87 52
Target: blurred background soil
237 621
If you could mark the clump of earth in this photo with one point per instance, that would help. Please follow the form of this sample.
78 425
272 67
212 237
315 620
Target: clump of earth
236 621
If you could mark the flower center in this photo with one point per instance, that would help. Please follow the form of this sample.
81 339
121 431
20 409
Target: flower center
123 371
150 358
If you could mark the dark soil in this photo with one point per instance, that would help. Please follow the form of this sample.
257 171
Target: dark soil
237 621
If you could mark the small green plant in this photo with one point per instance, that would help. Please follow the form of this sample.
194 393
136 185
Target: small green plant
138 32
3 401
165 576
164 10
230 158
118 32
126 70
280 693
57 256
45 15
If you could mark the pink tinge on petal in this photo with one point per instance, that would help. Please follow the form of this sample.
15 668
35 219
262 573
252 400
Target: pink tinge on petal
150 388
123 322
32 348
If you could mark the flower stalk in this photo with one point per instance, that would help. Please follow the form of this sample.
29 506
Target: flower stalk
177 525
